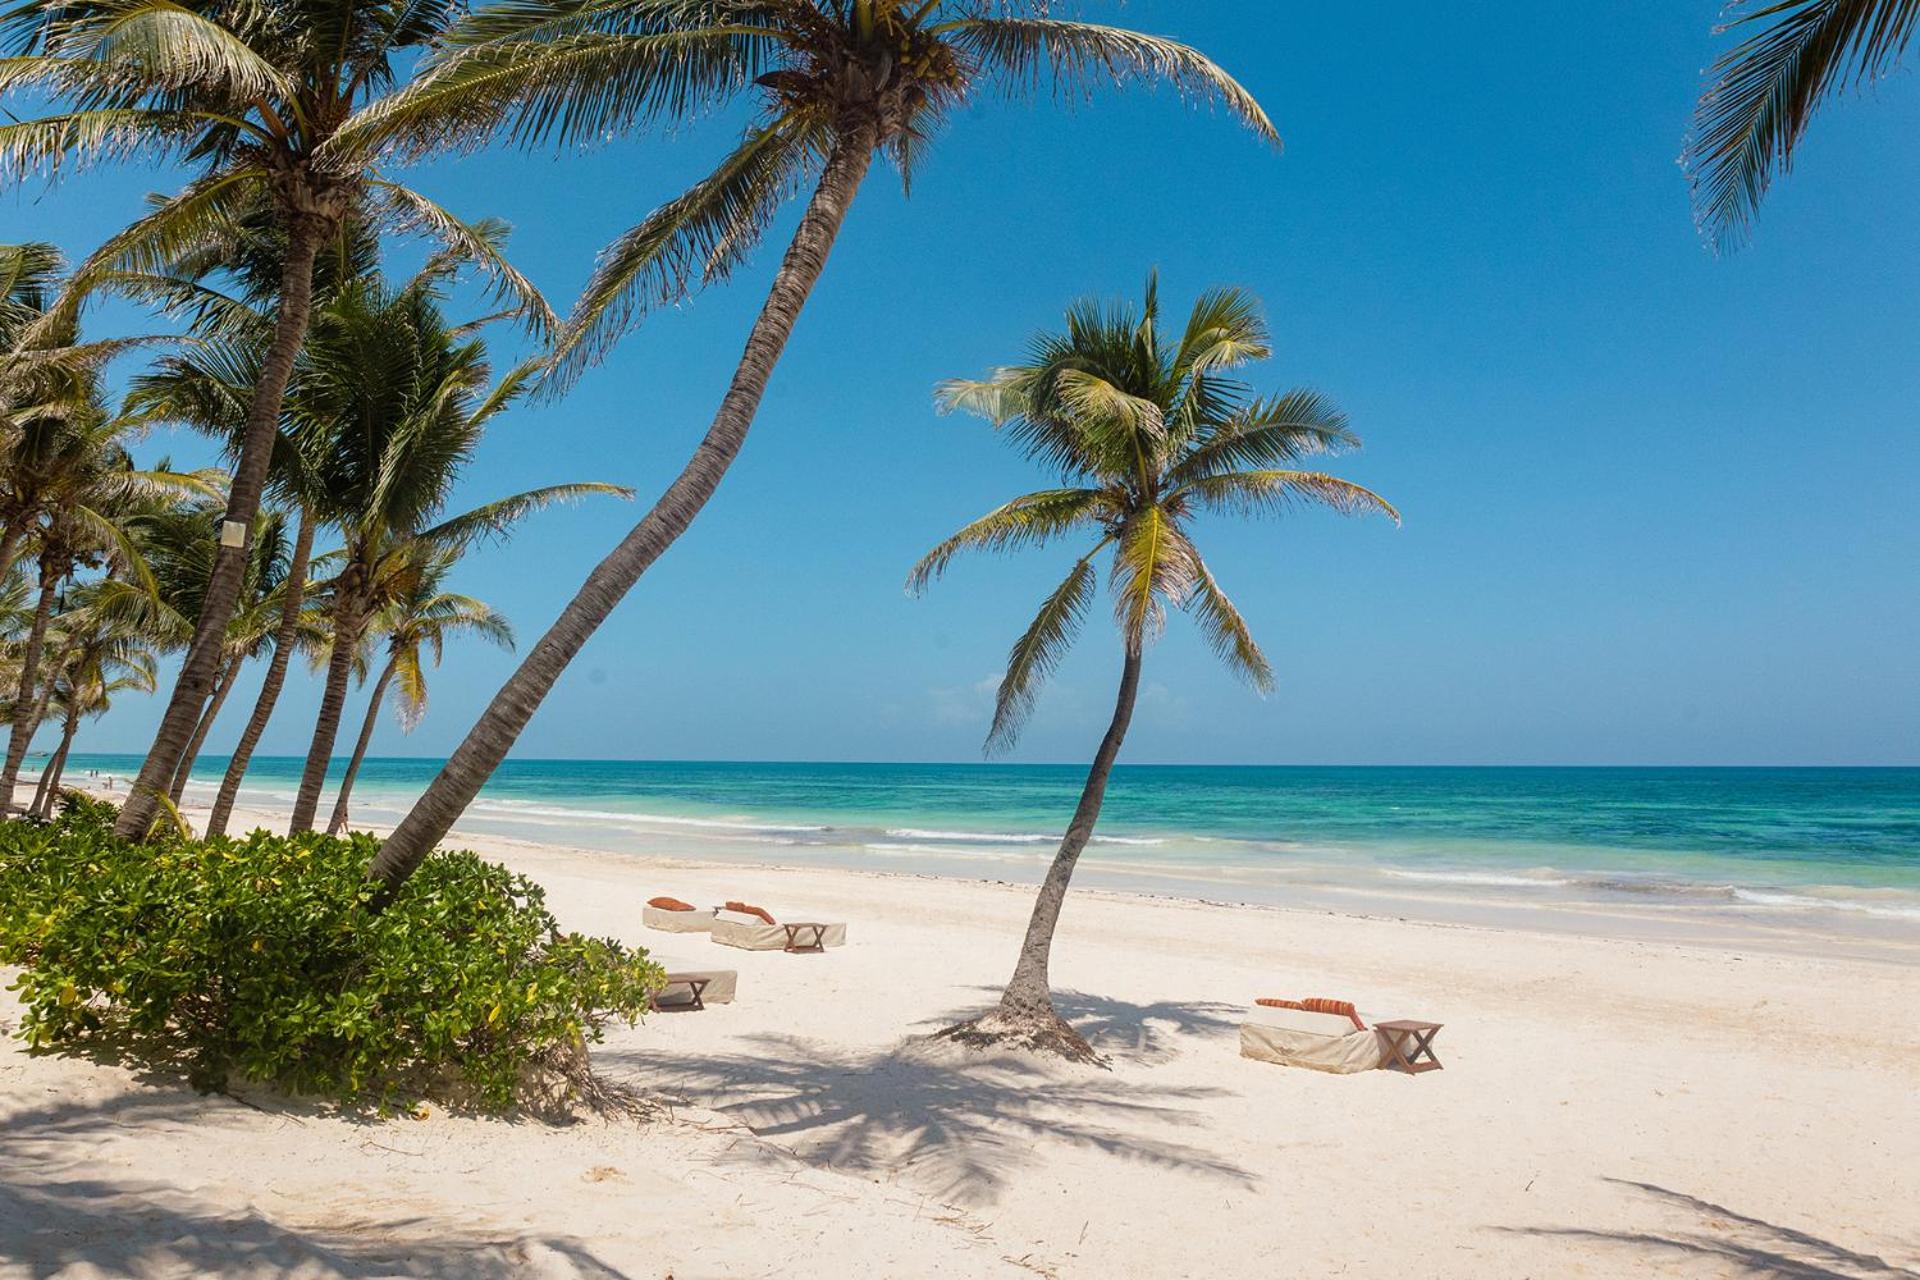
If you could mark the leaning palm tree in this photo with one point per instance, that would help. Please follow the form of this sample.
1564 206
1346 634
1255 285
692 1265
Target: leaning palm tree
1764 91
256 98
390 409
831 83
1148 431
417 625
103 654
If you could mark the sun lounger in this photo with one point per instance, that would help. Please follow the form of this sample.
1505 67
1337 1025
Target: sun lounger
752 929
1328 1036
669 915
691 987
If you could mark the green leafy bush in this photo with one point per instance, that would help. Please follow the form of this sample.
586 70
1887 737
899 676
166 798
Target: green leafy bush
264 959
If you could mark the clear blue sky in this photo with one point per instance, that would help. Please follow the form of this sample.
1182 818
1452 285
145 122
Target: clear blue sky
1659 506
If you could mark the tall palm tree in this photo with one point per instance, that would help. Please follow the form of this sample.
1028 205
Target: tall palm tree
74 473
831 82
393 405
256 98
1148 430
1792 56
418 623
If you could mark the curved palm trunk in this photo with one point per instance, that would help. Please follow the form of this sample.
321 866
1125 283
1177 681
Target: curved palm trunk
488 742
48 797
283 640
346 638
10 541
27 704
221 688
1026 1014
202 664
339 818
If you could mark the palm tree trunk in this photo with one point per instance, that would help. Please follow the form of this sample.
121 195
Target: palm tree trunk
10 540
339 819
292 593
488 742
1026 1015
48 795
306 231
222 686
346 638
26 699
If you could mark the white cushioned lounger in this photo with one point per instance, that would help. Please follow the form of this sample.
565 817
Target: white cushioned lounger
1318 1041
722 984
699 920
751 933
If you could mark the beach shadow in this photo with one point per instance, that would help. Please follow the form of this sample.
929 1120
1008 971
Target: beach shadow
1736 1242
953 1123
57 1217
1122 1030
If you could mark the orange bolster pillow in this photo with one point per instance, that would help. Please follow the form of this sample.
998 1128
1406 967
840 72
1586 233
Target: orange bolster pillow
746 910
669 904
1316 1004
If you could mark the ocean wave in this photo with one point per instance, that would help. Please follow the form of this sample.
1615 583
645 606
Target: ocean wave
1005 837
1808 902
1479 877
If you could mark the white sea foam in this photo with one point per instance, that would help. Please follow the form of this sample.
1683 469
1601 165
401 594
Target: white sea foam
1004 837
1477 877
1807 902
517 808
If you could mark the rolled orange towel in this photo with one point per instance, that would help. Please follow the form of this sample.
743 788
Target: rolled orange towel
669 904
746 910
1317 1004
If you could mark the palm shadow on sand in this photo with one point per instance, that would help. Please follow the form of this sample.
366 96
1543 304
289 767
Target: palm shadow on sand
58 1213
953 1124
1732 1243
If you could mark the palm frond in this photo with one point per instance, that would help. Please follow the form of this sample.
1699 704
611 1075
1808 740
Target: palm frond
1028 521
1076 56
1154 565
1280 429
171 47
1765 90
478 243
81 139
1269 492
1226 631
695 239
495 519
1037 653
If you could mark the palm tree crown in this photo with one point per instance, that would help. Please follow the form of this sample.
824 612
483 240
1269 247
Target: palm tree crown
1148 429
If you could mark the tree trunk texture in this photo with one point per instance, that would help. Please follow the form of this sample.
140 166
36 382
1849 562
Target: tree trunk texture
283 641
10 542
338 821
347 624
202 663
488 742
26 698
1025 1017
222 686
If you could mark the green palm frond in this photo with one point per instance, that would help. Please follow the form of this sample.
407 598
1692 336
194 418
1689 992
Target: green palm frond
496 519
1764 91
478 243
1283 429
1038 651
1225 330
697 238
157 44
1270 492
79 140
1028 521
1153 565
1226 631
1077 56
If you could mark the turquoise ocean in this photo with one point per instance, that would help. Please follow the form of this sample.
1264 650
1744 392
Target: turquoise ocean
1825 844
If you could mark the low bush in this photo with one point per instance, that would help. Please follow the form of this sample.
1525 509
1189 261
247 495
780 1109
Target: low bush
264 959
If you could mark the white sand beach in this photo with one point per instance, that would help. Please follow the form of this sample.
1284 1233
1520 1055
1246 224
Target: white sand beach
1608 1107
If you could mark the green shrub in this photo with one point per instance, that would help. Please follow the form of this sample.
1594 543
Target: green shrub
263 959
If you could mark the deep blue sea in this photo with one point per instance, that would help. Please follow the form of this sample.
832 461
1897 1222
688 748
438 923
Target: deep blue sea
1825 840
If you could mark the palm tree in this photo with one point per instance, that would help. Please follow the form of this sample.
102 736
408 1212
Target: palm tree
831 82
1764 91
73 473
421 621
102 656
257 99
1146 434
392 406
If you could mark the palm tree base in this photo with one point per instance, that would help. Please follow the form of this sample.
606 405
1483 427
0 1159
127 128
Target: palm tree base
1037 1031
